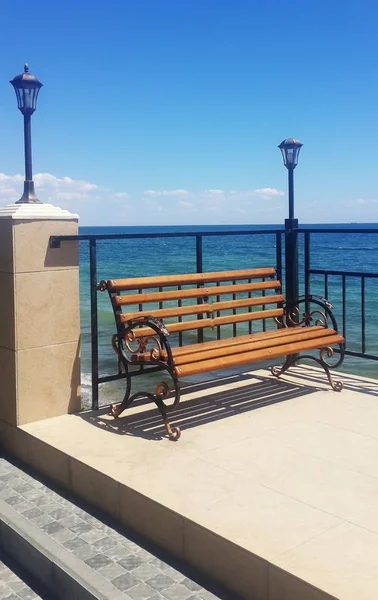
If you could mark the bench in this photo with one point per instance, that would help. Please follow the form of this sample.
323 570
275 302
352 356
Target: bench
162 323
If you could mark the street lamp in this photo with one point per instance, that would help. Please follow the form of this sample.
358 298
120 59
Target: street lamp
27 88
290 151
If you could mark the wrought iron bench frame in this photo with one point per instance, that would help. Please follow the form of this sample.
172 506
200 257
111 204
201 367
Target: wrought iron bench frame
153 348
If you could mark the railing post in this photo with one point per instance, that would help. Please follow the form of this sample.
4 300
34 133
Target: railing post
291 260
94 321
199 270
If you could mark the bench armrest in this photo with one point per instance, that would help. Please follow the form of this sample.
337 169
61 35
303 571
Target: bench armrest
149 321
153 347
320 314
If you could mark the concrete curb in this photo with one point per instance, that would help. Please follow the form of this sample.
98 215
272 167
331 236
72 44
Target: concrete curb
51 565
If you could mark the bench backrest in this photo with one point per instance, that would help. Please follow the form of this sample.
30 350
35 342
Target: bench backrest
196 301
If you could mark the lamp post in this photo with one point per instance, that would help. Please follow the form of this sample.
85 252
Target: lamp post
27 88
290 151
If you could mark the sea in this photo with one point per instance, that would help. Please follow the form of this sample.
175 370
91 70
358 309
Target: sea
166 255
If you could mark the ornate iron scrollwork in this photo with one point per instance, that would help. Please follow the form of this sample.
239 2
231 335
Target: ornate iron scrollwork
160 355
320 316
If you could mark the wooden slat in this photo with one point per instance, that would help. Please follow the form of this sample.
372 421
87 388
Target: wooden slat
234 345
225 362
201 323
297 336
135 283
194 293
242 339
197 309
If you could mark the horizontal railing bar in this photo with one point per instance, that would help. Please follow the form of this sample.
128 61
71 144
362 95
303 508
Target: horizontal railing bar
56 239
336 230
346 273
107 378
359 354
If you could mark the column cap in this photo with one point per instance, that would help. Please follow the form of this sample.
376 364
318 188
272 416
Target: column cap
36 212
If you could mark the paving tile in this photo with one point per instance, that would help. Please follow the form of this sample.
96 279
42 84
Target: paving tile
53 527
63 535
42 520
23 487
27 594
111 571
70 521
80 528
105 543
117 552
16 585
142 591
131 562
35 496
160 582
23 506
5 492
32 513
206 595
191 585
98 560
50 507
125 581
14 500
60 513
173 573
177 592
146 571
75 543
84 552
93 536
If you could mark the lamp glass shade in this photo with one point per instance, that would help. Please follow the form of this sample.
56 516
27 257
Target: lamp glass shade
27 89
290 149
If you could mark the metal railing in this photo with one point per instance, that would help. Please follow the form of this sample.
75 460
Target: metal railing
92 239
305 270
344 276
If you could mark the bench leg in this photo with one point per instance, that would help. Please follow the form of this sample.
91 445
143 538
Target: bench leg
117 410
290 360
162 392
337 386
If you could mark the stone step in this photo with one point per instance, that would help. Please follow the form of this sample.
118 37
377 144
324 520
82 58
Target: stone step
16 584
79 554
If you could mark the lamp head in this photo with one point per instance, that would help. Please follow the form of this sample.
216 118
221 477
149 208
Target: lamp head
27 87
290 151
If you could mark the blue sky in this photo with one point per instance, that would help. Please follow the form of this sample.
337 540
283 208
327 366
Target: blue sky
170 111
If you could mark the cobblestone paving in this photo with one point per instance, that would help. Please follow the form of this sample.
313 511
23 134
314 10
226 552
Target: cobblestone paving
129 563
13 585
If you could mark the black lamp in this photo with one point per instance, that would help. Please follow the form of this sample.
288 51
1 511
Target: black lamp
290 152
27 88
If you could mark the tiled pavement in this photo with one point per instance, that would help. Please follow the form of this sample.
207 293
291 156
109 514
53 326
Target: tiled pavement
15 585
140 571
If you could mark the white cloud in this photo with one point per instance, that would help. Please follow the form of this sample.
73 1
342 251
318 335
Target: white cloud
156 193
121 195
366 201
268 192
215 192
76 195
98 205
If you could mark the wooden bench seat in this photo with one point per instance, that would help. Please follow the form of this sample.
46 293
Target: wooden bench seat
151 312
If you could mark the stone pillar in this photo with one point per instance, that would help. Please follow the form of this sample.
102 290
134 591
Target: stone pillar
39 314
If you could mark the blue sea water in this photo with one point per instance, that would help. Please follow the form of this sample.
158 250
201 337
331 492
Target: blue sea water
159 256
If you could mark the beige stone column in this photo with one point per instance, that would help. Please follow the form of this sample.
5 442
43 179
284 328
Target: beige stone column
39 314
